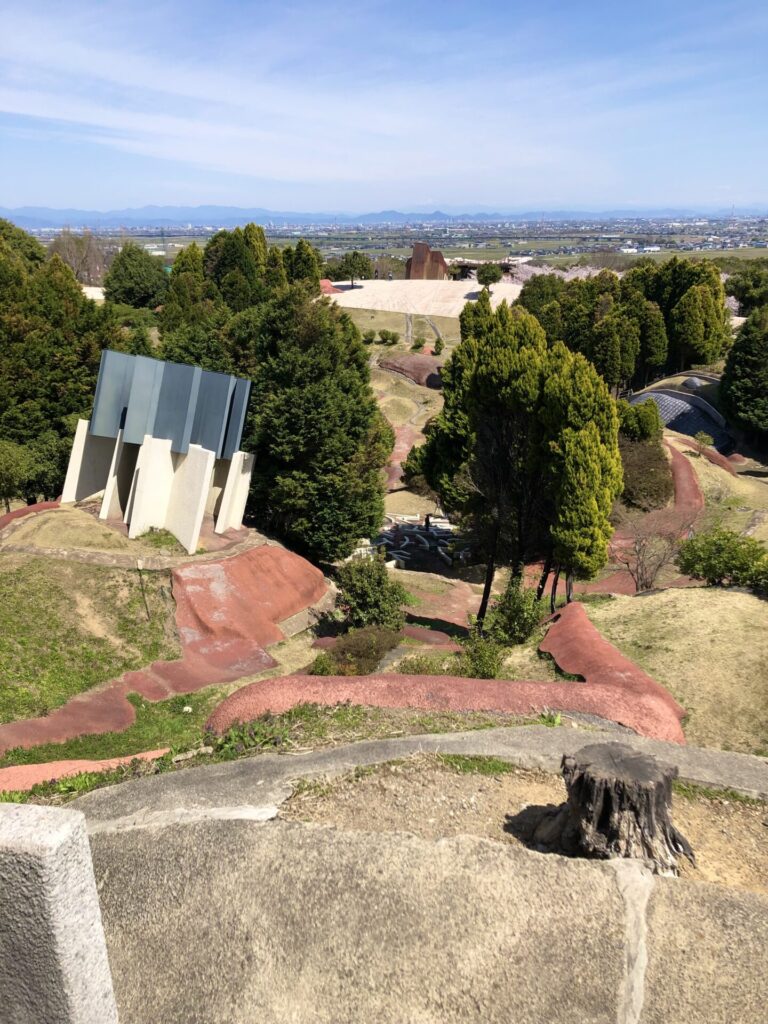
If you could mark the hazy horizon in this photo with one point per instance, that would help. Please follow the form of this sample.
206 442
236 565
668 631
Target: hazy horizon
369 107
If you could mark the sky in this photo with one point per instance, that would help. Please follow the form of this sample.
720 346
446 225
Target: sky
365 106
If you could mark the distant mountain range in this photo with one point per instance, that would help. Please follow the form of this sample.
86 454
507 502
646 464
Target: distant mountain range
39 217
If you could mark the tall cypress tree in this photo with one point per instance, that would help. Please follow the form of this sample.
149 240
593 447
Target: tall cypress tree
319 440
744 387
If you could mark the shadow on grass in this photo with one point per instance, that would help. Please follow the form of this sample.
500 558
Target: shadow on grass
439 624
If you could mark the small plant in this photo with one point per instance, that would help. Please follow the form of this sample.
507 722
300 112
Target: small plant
368 596
418 344
393 339
703 441
724 558
515 616
356 654
369 336
482 657
438 347
552 719
384 336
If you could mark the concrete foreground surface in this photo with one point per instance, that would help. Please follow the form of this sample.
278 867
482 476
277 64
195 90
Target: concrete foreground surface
430 298
230 922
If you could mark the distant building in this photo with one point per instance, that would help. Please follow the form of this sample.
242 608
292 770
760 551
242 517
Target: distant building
426 264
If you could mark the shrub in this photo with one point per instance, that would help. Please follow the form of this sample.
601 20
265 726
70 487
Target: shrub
703 440
418 344
430 665
357 653
481 658
724 558
369 336
514 617
647 474
438 347
368 596
393 339
384 336
639 422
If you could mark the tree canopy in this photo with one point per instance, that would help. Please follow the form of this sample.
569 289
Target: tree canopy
488 274
744 386
355 265
135 278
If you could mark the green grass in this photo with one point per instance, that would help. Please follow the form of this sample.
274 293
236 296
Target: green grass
163 540
164 724
692 791
465 765
67 626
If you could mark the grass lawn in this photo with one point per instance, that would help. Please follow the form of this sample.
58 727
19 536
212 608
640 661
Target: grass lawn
709 648
67 626
377 320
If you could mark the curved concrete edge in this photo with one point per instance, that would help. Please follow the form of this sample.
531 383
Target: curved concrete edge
27 510
251 787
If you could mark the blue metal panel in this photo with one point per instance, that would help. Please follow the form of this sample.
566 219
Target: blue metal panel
180 403
237 410
142 403
212 411
176 404
113 389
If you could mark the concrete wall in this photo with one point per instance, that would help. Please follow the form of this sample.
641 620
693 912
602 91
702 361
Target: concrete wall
220 473
53 958
89 464
190 488
236 921
235 494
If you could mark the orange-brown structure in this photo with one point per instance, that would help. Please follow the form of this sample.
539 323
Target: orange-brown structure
425 264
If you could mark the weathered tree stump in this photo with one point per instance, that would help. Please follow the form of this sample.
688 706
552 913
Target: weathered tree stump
619 804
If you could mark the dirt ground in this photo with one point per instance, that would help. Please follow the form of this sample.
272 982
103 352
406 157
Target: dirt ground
430 798
69 528
709 647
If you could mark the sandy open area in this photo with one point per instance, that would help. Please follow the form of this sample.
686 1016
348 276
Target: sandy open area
431 298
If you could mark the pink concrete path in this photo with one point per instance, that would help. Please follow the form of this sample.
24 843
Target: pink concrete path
226 612
22 777
614 688
27 510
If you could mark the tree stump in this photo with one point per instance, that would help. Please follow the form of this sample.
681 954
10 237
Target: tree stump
619 804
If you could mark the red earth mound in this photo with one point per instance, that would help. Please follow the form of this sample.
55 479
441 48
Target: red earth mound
226 612
614 688
421 369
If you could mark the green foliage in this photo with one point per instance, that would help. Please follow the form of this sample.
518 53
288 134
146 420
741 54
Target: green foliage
14 471
357 653
355 265
438 346
647 473
639 422
135 278
515 616
488 274
418 344
481 657
703 440
369 596
24 246
316 432
275 275
724 558
749 285
305 266
744 386
369 336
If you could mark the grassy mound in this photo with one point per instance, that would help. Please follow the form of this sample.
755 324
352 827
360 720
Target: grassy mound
67 626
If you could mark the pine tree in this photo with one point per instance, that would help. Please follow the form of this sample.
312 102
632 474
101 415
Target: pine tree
275 275
135 278
744 387
256 241
305 266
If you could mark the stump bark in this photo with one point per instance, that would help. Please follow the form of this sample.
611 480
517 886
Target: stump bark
619 805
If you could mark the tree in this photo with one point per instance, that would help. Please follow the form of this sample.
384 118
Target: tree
256 241
750 285
650 543
488 274
27 248
14 471
698 328
523 429
135 278
355 265
368 596
319 440
275 275
191 299
305 266
744 387
84 253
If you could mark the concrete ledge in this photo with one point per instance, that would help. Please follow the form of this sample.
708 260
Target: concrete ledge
53 958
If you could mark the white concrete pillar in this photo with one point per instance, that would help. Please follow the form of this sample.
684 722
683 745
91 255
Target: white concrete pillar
235 495
53 956
191 486
151 489
89 462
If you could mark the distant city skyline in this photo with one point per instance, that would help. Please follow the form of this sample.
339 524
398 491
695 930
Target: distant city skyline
298 106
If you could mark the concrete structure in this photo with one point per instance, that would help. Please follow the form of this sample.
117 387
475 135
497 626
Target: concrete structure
161 447
428 298
53 958
425 264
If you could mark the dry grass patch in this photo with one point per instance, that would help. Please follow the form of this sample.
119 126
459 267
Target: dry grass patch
68 528
399 411
408 503
709 648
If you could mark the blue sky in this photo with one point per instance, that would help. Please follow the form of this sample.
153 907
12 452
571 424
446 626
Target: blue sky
361 106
